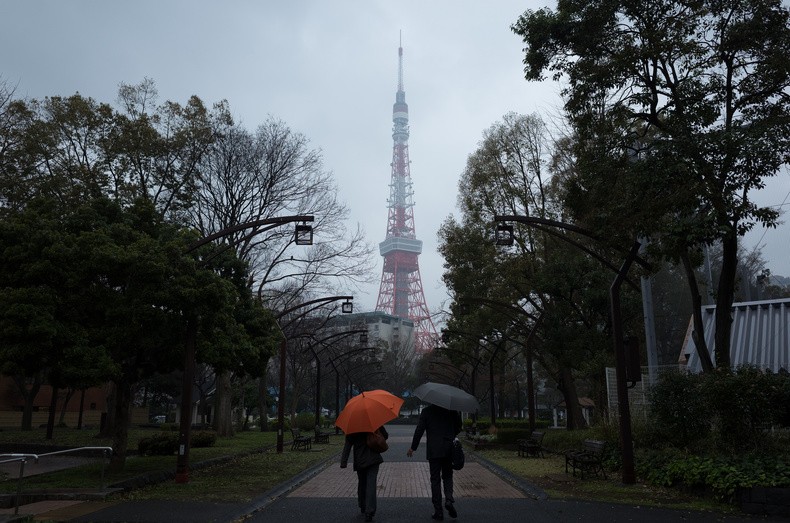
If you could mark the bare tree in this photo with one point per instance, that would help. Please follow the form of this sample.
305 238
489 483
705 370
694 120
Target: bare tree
273 172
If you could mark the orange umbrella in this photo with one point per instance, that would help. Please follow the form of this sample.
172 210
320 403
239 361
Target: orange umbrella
368 411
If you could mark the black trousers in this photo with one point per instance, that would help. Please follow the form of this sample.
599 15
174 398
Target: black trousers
366 488
441 473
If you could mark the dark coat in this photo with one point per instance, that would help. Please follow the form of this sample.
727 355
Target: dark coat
363 456
441 426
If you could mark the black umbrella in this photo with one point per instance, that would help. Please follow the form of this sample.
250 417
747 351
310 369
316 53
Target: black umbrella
447 396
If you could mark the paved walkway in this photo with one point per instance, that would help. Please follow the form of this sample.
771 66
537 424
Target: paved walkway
328 495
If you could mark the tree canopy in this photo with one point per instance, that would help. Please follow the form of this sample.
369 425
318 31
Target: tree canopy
680 112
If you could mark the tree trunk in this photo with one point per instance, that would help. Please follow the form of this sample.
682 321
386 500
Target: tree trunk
223 422
69 394
82 408
53 407
724 299
568 388
28 396
262 404
698 334
108 429
120 433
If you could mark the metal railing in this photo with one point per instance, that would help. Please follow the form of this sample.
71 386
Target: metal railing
23 458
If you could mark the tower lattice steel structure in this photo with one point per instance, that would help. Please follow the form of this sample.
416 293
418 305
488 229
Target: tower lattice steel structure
401 293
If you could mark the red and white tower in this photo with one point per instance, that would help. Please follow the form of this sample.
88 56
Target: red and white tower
401 292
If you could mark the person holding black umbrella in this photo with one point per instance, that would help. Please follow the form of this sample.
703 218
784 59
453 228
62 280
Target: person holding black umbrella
441 426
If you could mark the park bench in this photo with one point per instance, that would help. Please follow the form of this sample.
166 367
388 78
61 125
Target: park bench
587 460
321 436
300 442
531 446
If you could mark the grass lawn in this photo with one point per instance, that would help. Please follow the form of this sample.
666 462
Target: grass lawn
548 473
255 467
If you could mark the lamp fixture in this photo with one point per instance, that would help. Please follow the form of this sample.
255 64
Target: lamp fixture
347 307
504 234
303 234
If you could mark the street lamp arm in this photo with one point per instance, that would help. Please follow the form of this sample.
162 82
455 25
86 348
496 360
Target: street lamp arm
271 222
536 222
345 355
498 304
316 301
336 335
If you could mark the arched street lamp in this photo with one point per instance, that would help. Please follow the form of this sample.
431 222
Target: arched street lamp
346 308
303 235
363 338
526 345
336 360
504 236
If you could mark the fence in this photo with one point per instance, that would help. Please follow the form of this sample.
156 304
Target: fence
638 394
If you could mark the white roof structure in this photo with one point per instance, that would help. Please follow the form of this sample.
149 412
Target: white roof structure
760 335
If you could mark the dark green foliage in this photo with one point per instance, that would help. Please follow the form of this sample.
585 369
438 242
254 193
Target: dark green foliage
678 416
679 114
305 421
166 443
203 438
725 411
162 444
720 476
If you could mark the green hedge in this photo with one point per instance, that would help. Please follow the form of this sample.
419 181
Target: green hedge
166 443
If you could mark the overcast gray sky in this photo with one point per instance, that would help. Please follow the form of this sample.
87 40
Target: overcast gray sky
326 68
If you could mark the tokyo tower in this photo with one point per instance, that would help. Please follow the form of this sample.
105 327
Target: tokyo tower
401 292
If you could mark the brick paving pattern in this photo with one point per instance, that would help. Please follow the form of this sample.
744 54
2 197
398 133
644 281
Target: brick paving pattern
407 479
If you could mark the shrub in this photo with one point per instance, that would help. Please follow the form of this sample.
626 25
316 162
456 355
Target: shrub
680 416
305 421
720 476
202 438
507 436
162 444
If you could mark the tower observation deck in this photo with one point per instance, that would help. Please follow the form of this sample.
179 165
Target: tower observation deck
401 293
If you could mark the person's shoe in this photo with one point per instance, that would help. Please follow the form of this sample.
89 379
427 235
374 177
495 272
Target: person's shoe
451 510
369 517
438 515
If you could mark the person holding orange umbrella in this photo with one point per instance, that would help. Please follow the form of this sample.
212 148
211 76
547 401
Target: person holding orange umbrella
364 415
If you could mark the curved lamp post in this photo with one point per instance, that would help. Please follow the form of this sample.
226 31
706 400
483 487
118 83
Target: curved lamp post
340 335
303 235
527 345
504 236
346 308
333 361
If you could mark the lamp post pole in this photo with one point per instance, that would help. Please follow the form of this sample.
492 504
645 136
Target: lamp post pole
624 410
303 235
361 332
527 345
347 308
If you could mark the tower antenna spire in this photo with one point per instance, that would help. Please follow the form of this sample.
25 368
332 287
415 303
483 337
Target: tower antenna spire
400 62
